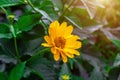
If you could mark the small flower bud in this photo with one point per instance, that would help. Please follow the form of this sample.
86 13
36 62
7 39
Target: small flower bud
11 17
65 77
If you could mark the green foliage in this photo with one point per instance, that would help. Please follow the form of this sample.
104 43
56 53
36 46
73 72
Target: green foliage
17 72
7 51
116 42
97 75
64 71
74 20
23 58
76 78
47 6
6 3
3 76
4 31
117 61
58 4
26 23
43 68
114 73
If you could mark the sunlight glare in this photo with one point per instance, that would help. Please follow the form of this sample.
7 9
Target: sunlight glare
105 1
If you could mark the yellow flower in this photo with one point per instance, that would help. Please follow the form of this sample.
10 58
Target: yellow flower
61 41
65 77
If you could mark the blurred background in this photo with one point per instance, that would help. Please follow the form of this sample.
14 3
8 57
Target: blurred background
97 22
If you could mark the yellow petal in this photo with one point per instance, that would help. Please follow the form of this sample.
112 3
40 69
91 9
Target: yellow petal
68 31
56 57
62 29
64 57
53 29
69 55
47 39
72 51
76 52
54 50
77 45
71 40
63 26
54 24
45 45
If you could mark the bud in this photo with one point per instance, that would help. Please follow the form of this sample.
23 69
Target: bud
65 77
11 17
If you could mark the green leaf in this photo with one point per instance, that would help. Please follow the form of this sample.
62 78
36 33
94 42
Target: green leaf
7 48
114 73
42 12
36 32
4 28
2 67
91 6
74 77
117 61
116 42
7 59
81 69
17 72
94 61
5 3
27 22
3 76
71 61
83 17
12 30
46 8
43 68
31 46
64 71
58 4
74 20
71 17
6 35
5 31
7 51
97 75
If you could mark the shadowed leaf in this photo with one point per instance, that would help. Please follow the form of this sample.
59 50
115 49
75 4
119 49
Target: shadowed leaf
6 3
17 72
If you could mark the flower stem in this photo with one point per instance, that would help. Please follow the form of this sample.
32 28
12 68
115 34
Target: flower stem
31 5
15 43
38 53
14 35
44 26
3 10
66 8
29 2
16 48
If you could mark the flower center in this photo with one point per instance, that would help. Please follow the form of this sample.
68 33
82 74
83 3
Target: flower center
59 42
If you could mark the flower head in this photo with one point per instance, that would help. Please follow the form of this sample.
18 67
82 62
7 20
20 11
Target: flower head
61 41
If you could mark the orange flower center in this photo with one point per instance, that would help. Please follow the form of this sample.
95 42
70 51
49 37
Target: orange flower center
60 42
